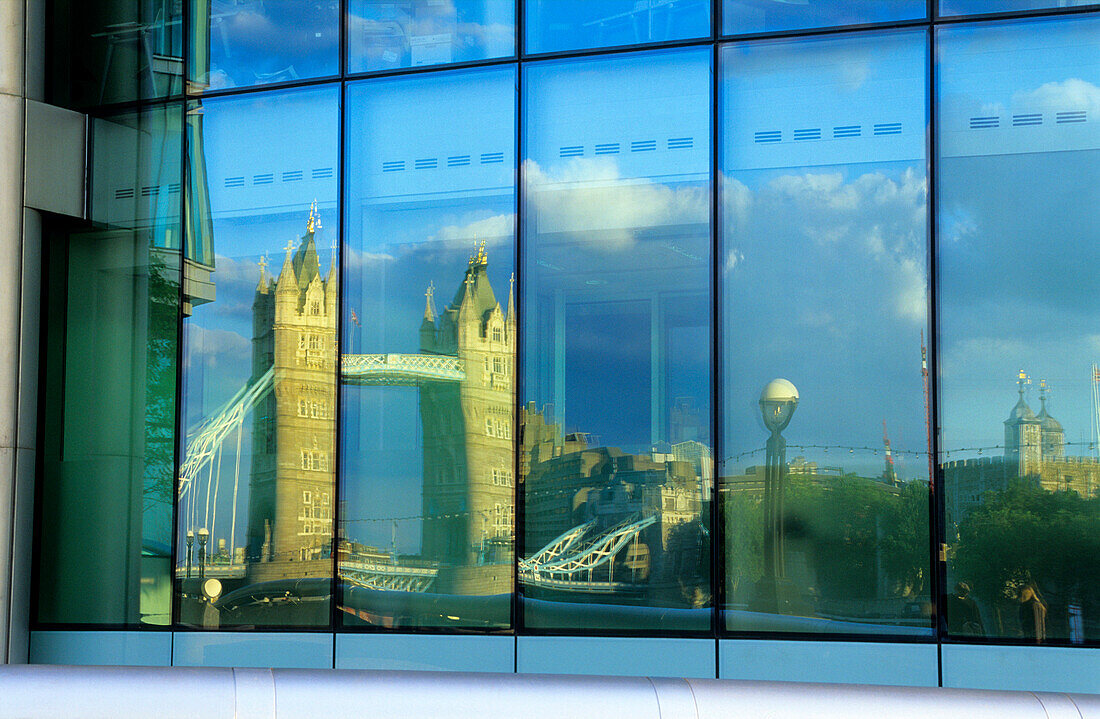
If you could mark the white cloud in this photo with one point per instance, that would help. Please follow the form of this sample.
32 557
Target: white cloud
495 231
1068 95
217 347
591 199
868 232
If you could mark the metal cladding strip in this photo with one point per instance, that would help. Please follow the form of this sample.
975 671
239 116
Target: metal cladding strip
788 700
675 700
307 694
44 691
255 694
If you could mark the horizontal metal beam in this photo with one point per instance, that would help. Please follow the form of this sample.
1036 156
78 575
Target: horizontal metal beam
213 693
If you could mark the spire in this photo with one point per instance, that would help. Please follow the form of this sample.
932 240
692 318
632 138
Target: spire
429 305
262 286
314 222
287 281
511 316
1022 381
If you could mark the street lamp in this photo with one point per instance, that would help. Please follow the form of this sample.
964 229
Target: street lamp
203 536
190 548
778 402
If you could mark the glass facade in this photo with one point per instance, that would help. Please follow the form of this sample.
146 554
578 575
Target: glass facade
824 290
741 17
664 318
1019 160
428 382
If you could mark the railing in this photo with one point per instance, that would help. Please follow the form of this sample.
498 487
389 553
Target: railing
217 693
398 369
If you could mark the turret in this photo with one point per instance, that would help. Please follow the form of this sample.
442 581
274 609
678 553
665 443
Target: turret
286 289
1052 436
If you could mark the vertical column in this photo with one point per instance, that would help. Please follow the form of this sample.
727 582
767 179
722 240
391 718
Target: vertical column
11 220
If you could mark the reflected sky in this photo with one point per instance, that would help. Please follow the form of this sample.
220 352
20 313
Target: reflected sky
259 201
1019 172
253 42
434 174
748 16
824 205
414 33
618 216
574 24
962 7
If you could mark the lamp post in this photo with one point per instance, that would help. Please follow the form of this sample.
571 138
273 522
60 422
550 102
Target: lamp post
203 536
190 549
778 402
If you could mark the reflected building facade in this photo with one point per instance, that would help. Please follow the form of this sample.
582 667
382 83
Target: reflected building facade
290 518
469 489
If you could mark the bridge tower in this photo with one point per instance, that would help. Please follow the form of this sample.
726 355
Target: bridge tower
468 495
290 525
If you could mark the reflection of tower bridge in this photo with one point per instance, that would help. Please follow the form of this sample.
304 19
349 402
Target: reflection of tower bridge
581 562
464 379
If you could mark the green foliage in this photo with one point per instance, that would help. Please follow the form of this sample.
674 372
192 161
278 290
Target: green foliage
1024 534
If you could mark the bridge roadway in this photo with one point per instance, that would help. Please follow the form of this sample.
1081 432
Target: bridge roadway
400 369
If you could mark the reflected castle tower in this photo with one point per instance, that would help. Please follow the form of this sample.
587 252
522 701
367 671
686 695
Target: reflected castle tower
291 494
468 451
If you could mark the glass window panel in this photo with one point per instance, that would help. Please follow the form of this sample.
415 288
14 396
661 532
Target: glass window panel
109 392
1019 244
617 462
239 43
255 527
111 52
413 33
824 310
428 387
554 25
966 7
747 16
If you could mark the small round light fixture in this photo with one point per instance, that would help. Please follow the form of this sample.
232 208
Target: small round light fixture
212 589
778 402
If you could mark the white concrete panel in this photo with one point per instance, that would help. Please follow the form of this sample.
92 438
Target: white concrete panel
829 662
11 47
253 649
109 648
1036 669
426 652
11 242
617 656
55 155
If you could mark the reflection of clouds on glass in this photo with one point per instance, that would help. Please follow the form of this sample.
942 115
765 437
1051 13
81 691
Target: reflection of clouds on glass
410 34
873 224
588 195
253 43
1069 95
495 231
216 348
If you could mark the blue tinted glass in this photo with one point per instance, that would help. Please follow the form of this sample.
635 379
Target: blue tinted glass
747 16
824 303
1019 244
617 461
574 24
386 35
428 483
238 43
256 494
965 7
